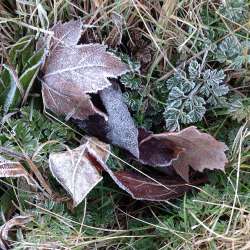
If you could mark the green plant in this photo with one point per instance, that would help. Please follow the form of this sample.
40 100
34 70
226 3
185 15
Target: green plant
233 52
235 10
191 93
31 130
19 73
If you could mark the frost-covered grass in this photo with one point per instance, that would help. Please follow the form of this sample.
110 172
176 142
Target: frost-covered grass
195 60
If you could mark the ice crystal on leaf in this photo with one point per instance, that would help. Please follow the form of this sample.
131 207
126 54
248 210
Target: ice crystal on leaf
191 93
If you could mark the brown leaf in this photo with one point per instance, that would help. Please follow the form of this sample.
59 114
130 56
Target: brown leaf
17 221
71 71
156 152
14 169
156 188
75 106
100 149
66 34
198 150
75 171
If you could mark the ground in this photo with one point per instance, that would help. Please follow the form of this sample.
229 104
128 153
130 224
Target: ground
189 64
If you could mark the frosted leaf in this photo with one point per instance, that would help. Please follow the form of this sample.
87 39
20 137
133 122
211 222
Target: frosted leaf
188 98
194 69
5 229
77 106
122 131
72 71
66 34
199 150
77 171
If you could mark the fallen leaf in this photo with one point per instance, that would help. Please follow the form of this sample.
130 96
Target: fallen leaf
75 106
72 71
122 131
17 221
14 169
75 171
153 188
197 150
100 149
119 129
156 152
66 34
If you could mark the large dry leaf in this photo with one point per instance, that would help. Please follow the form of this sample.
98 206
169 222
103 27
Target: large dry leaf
71 71
66 34
14 169
17 221
156 152
76 172
197 150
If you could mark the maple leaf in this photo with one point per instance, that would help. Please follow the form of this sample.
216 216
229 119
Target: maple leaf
14 169
198 150
73 71
76 171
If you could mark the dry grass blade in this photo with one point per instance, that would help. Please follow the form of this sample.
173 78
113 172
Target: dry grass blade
14 169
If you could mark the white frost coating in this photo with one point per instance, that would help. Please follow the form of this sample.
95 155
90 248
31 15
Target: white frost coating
122 130
14 169
67 34
75 172
74 70
82 69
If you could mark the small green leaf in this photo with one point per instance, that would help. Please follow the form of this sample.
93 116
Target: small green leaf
19 47
10 89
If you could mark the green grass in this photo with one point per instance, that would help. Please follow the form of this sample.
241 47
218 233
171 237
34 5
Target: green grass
171 35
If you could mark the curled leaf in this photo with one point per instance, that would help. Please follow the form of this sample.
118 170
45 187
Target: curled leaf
156 152
197 150
17 221
153 188
122 131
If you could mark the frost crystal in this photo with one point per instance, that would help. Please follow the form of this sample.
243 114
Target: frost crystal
233 52
190 94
